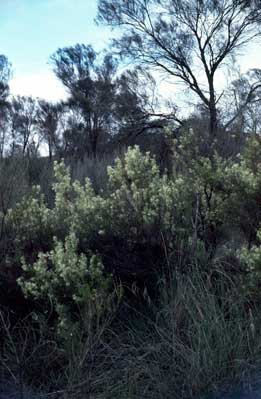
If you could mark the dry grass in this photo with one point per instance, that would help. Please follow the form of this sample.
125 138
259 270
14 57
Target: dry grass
198 339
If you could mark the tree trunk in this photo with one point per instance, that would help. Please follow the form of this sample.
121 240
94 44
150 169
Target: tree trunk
50 149
94 142
213 123
213 119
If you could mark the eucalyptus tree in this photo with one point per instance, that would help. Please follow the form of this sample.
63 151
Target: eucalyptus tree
25 139
5 74
137 109
245 103
104 106
89 82
49 120
189 40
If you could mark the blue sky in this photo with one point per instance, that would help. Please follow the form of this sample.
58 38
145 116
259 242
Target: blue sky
32 30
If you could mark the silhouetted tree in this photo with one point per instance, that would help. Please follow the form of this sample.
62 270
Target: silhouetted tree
5 74
49 118
189 40
109 107
25 139
91 88
245 95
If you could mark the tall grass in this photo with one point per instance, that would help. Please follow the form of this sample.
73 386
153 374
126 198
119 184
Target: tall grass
198 339
94 168
200 336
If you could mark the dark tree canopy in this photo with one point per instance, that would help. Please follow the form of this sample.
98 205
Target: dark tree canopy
91 88
49 118
73 64
24 134
103 104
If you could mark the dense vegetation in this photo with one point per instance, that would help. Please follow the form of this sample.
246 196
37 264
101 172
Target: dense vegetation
131 255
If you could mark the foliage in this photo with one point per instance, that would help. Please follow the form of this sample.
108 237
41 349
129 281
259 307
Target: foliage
183 242
141 197
201 203
189 41
195 320
251 259
77 207
244 187
68 280
225 192
29 225
75 213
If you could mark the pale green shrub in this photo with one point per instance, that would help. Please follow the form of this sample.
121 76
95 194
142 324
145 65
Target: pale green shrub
189 211
202 332
77 207
243 183
30 225
69 280
224 193
251 259
142 201
57 266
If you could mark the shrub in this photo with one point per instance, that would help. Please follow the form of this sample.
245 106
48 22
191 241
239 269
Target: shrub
77 207
70 281
198 329
30 226
244 186
143 203
251 260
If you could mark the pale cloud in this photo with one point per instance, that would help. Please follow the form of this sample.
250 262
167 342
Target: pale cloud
42 84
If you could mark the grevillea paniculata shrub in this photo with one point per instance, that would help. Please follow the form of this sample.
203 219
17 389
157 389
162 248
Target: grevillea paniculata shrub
197 226
191 214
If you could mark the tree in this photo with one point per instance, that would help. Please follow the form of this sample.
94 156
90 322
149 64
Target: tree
5 73
4 129
23 116
246 97
189 40
103 106
137 105
91 88
49 118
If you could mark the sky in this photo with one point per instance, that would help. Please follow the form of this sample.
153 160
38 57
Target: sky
32 30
